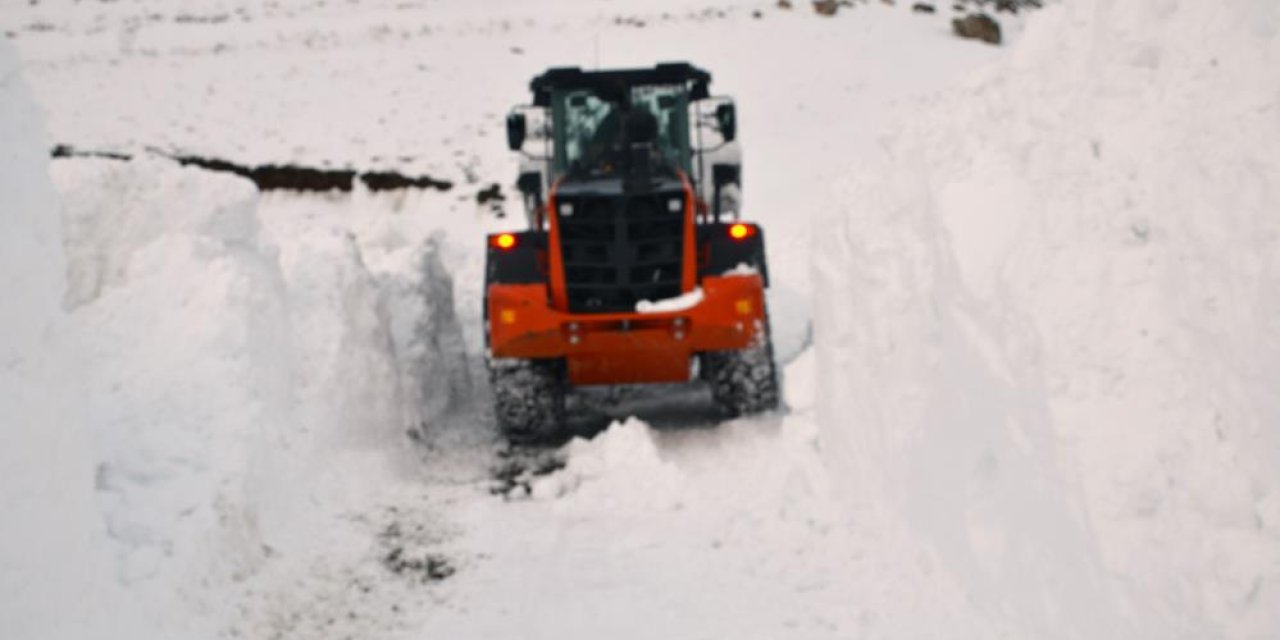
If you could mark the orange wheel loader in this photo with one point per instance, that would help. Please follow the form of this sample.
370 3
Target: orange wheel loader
634 266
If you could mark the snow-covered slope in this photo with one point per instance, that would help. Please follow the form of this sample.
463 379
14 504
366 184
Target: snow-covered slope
1047 328
55 574
225 377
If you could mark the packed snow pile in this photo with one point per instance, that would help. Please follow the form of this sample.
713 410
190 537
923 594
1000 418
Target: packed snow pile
428 338
55 572
226 377
620 470
1046 325
182 314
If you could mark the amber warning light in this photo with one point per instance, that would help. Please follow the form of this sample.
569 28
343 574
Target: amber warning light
503 240
741 231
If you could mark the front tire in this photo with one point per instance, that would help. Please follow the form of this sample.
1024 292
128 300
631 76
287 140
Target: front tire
744 382
528 398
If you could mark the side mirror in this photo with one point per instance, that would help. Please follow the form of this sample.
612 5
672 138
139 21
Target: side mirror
723 175
727 119
515 131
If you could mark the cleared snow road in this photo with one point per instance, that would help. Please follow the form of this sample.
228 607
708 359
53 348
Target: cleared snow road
687 529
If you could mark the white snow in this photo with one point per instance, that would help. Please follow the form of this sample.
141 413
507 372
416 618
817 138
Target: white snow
1046 327
620 470
1038 400
55 574
227 376
682 302
742 269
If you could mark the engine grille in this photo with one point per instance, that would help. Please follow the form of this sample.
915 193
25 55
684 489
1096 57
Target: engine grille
620 249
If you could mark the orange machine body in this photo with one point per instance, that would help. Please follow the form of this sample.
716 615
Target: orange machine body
625 348
532 320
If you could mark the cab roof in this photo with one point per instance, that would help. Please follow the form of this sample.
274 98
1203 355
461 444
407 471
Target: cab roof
570 78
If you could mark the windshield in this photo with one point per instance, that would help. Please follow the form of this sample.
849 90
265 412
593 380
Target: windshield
588 127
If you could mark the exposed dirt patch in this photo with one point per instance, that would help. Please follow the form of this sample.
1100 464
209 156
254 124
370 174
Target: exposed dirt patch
519 466
491 193
410 549
355 590
431 567
277 177
492 199
997 6
977 26
391 180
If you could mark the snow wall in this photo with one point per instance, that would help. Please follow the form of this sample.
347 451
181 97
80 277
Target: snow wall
55 573
227 380
1047 325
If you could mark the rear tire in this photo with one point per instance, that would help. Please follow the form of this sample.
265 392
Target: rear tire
528 398
745 381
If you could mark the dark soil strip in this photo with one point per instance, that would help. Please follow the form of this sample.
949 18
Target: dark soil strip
276 177
390 181
273 177
65 151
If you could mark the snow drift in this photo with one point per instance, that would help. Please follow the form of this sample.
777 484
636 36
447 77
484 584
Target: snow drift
1047 336
620 470
181 311
55 577
226 378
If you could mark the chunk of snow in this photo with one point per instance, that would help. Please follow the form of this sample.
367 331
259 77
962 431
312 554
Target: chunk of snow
619 470
681 302
742 269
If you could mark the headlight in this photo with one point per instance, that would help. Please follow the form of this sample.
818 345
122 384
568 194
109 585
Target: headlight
675 205
566 208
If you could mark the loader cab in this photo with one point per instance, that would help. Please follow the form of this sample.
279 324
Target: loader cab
586 126
594 129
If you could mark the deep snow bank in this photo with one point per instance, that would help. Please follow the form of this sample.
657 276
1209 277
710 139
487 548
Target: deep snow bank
226 377
1047 331
54 570
182 314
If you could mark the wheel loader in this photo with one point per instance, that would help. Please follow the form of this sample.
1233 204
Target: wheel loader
634 265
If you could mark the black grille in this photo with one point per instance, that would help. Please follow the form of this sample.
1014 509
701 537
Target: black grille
620 249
